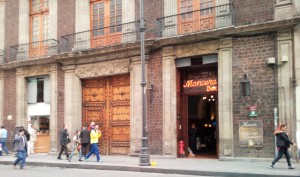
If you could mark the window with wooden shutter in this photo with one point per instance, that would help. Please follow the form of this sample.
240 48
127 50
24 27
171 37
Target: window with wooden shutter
39 28
195 15
106 22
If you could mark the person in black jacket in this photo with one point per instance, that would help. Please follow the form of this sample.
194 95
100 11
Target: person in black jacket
64 141
85 140
282 143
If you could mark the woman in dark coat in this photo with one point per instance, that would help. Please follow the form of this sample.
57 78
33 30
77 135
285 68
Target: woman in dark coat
282 143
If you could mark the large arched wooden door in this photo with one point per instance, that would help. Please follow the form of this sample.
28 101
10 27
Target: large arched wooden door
106 101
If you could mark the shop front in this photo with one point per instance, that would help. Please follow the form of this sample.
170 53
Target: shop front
197 98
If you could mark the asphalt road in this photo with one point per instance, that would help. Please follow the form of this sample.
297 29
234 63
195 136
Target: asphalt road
31 171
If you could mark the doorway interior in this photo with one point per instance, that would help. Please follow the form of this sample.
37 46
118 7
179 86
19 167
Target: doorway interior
197 108
202 125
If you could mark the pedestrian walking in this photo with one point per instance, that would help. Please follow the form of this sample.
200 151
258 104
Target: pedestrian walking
26 133
282 143
64 141
85 140
298 142
20 144
32 132
94 135
3 139
76 146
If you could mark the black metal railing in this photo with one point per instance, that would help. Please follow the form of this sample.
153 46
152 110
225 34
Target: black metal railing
31 50
2 56
100 37
195 21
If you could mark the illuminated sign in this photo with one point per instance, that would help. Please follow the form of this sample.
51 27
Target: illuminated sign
209 85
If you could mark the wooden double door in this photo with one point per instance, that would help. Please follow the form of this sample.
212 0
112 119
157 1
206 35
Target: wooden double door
106 101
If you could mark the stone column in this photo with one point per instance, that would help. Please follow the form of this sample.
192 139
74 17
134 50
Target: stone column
53 107
283 9
128 16
226 147
169 102
297 73
2 25
73 100
285 75
21 102
23 21
135 105
170 8
53 19
82 20
1 96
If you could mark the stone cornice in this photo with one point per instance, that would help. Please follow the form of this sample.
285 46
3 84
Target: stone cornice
29 62
232 31
103 54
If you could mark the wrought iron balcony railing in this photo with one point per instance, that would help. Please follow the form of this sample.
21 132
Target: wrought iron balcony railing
195 21
32 50
2 56
100 37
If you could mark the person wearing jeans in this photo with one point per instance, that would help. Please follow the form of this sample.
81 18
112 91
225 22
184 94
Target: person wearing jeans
76 143
20 143
95 135
282 143
3 138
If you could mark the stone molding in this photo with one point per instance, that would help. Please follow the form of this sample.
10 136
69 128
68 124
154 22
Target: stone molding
107 68
35 70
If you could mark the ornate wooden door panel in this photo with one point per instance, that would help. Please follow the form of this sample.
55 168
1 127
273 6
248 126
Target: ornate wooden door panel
94 109
106 102
120 117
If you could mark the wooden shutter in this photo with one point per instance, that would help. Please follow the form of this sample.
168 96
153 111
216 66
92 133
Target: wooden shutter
32 90
47 89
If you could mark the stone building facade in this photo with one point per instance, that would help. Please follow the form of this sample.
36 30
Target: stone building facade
251 50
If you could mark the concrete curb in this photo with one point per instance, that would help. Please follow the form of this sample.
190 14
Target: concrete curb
145 169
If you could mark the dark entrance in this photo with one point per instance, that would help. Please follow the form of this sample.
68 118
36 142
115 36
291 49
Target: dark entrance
197 111
202 125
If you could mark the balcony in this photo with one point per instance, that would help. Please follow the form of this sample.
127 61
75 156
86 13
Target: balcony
210 18
101 37
2 57
39 49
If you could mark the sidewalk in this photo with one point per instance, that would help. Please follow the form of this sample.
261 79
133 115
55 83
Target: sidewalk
188 166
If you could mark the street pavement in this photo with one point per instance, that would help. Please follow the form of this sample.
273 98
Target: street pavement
167 165
36 171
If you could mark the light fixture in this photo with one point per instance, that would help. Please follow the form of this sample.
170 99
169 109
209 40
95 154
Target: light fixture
245 84
204 98
211 96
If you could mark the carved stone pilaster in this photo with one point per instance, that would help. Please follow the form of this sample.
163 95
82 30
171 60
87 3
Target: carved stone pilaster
1 96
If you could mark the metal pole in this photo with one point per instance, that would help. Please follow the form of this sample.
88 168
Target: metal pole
275 127
144 156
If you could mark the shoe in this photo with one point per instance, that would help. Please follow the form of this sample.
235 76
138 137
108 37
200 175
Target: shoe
69 160
80 160
58 158
100 161
86 160
271 165
22 167
291 167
